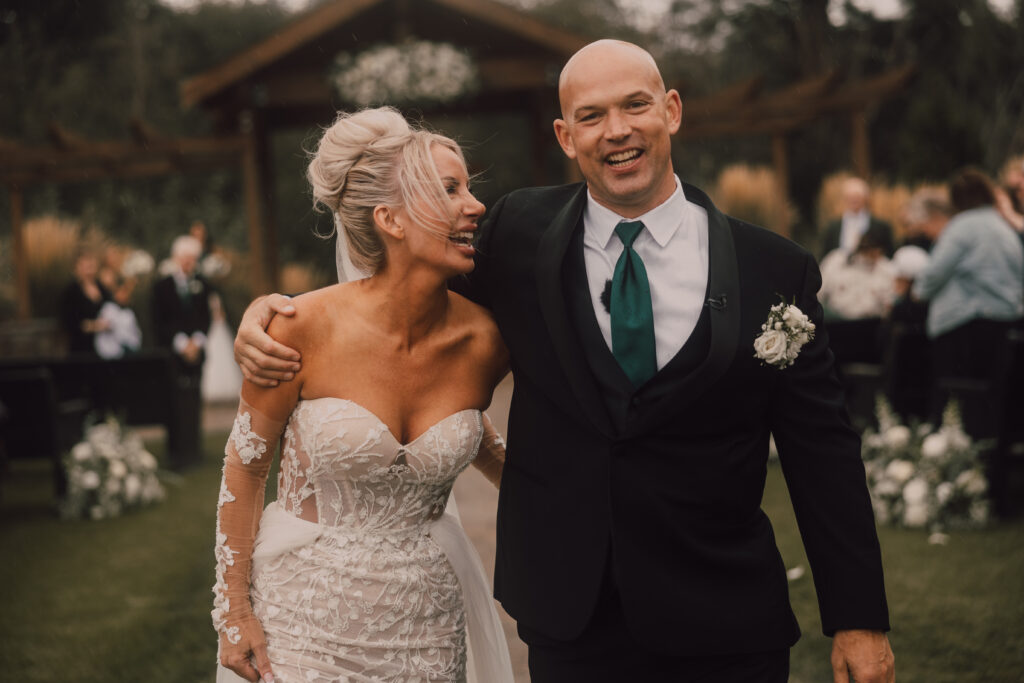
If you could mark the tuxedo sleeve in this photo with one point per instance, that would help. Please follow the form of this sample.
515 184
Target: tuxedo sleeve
821 461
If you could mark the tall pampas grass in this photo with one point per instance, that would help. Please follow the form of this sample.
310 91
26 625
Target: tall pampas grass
51 244
752 194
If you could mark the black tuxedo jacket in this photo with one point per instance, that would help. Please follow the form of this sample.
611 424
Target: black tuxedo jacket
833 233
665 486
173 314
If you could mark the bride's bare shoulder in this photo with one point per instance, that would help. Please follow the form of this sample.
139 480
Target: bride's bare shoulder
315 313
480 326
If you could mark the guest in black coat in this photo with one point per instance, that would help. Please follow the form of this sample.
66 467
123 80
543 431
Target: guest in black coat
845 232
80 305
181 315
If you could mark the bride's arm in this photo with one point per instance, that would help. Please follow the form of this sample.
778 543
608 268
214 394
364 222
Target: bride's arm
262 415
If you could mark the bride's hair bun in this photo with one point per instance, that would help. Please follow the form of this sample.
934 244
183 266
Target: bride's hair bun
371 158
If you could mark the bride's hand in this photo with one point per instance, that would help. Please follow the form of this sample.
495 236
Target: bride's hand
252 646
263 361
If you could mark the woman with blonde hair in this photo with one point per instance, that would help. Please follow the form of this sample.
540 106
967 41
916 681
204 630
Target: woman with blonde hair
356 572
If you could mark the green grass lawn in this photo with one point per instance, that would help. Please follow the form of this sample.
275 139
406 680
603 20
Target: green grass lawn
129 599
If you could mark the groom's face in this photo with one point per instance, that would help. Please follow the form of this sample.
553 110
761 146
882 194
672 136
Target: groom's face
617 123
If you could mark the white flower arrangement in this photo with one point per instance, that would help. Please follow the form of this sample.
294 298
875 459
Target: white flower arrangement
108 472
410 72
783 335
923 479
137 264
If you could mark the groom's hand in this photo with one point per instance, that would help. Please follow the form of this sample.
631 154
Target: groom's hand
263 361
860 656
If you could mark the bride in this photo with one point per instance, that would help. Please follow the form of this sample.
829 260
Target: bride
355 572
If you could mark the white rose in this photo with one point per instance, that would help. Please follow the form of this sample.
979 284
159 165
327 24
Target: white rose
147 461
796 319
887 487
132 488
118 469
915 516
934 446
915 492
973 482
90 480
771 346
81 451
900 471
897 436
943 492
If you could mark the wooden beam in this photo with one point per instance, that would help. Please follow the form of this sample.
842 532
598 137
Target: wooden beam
21 283
860 144
143 133
519 23
305 28
727 99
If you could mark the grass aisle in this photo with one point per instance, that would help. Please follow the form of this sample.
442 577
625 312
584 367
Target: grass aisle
129 599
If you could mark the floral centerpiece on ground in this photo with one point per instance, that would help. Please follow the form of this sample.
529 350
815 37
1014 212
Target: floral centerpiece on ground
108 472
920 478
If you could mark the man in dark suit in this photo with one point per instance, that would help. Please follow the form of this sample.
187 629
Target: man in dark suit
631 543
845 232
181 316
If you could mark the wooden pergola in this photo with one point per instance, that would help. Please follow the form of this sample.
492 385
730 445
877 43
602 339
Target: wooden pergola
742 109
282 81
70 158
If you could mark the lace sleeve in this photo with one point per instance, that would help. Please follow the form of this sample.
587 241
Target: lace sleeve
249 454
490 459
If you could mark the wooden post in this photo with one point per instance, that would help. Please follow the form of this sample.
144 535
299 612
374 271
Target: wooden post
780 159
254 213
21 283
860 147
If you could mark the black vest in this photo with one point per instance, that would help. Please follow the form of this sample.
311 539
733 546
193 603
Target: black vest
621 398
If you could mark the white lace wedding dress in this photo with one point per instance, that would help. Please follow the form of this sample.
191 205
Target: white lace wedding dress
358 574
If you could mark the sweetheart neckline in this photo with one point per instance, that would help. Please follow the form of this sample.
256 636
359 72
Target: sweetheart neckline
384 424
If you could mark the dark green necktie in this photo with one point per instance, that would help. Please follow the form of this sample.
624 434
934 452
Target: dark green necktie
632 315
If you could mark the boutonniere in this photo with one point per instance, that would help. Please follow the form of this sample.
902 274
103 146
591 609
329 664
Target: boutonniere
195 287
783 335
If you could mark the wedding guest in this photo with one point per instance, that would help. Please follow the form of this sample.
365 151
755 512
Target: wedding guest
112 277
858 284
845 232
926 215
974 283
181 316
80 304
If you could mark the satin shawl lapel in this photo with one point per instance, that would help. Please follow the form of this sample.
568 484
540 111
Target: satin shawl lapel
665 400
551 254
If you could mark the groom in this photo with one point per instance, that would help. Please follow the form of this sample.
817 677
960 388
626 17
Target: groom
631 543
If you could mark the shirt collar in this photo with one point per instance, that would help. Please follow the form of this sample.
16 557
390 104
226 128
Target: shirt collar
663 221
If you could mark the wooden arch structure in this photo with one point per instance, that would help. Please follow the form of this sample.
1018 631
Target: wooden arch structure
71 158
283 81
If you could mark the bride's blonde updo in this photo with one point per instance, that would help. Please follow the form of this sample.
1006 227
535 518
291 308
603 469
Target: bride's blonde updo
374 157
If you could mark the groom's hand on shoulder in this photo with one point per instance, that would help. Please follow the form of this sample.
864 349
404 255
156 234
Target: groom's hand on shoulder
263 361
862 656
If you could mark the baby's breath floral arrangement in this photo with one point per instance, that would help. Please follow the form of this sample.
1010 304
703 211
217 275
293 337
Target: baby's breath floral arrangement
108 472
411 72
925 479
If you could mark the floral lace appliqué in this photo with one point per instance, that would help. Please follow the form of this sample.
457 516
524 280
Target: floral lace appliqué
249 445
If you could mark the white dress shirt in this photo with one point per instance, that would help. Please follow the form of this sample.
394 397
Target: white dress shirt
854 225
674 249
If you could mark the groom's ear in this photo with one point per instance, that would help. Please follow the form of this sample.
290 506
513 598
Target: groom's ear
565 138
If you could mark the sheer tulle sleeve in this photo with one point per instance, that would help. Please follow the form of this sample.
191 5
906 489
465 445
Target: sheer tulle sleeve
490 458
248 456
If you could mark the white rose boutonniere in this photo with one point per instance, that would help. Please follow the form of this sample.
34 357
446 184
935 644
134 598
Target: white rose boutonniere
783 335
